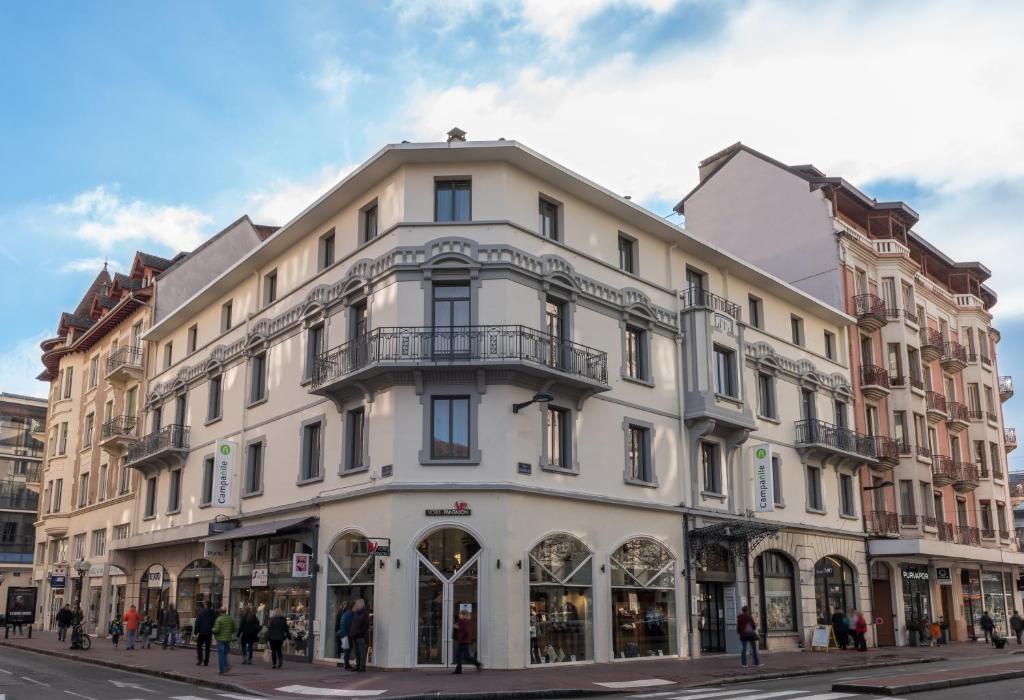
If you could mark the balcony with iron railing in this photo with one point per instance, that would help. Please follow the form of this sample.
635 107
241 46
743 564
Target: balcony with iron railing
931 345
908 520
125 364
945 531
1010 439
929 520
165 447
916 382
697 298
910 316
957 416
883 523
944 470
118 434
936 406
1004 534
966 534
887 450
1005 387
975 413
954 356
967 477
987 533
986 359
870 311
833 440
23 471
874 382
545 357
923 451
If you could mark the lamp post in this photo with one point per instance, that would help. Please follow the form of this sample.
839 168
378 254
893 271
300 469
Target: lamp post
81 566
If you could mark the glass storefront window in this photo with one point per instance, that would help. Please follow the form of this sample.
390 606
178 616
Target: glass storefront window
833 588
154 590
448 587
350 574
916 595
198 583
970 582
643 600
994 598
561 601
774 573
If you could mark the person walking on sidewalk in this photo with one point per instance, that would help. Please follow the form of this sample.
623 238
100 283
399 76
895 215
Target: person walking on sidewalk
204 633
171 622
114 630
1017 625
277 632
860 631
987 625
359 633
841 627
463 638
64 619
248 633
223 631
344 642
746 626
131 627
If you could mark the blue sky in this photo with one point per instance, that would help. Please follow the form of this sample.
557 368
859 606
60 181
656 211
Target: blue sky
152 125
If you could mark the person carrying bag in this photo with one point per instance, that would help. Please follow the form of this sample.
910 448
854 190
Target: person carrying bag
746 626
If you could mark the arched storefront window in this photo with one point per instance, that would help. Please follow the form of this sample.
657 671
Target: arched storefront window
447 587
833 587
561 601
643 600
774 574
350 572
199 583
154 589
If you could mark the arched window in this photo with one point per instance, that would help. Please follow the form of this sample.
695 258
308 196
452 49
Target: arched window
643 600
833 587
448 590
153 591
199 583
561 601
774 574
350 576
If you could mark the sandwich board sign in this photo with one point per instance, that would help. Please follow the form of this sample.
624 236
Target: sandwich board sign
824 637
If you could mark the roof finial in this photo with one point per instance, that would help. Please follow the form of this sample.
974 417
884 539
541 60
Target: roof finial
104 263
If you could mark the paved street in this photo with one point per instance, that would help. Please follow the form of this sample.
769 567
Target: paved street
29 676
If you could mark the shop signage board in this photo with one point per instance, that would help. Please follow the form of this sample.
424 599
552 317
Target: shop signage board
59 570
223 466
259 576
461 509
379 546
943 575
764 488
215 549
21 605
915 574
823 638
155 577
58 581
301 565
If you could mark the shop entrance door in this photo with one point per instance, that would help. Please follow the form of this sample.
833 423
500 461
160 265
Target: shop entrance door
711 608
882 596
448 586
946 596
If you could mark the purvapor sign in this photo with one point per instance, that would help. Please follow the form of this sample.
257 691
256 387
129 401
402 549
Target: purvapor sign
764 486
223 466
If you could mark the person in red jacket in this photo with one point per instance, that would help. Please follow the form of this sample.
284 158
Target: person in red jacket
463 638
131 627
746 627
860 631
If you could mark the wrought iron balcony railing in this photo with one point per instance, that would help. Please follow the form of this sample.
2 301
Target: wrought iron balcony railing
883 522
426 345
874 375
697 298
169 437
966 534
908 519
957 411
816 432
954 352
1010 438
119 426
1005 387
126 357
929 520
870 309
944 470
945 531
935 401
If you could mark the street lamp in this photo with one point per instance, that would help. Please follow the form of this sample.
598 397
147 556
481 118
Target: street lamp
81 566
537 398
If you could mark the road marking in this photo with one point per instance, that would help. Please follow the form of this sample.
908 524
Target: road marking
332 692
32 680
701 693
240 697
655 695
828 696
776 694
135 686
187 697
79 695
641 683
7 672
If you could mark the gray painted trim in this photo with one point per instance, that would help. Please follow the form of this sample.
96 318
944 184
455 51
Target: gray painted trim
441 390
320 420
262 440
644 325
447 275
205 502
648 427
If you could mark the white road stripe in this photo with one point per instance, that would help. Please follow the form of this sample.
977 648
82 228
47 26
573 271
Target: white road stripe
655 695
7 672
776 694
187 697
32 680
331 692
79 695
240 697
702 693
827 696
639 683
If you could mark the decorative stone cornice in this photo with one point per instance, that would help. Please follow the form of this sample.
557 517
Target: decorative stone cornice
761 354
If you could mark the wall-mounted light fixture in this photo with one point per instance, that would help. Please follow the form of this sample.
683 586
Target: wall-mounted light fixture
499 563
537 398
519 564
398 563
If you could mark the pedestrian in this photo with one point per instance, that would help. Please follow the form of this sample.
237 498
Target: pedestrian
344 642
64 619
160 614
277 632
860 631
841 628
463 638
987 625
746 626
131 627
248 633
114 630
223 631
171 622
204 633
359 633
1017 625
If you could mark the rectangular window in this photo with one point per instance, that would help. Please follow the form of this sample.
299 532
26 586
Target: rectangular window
711 466
83 490
830 345
899 424
808 410
68 379
766 395
914 367
755 310
326 252
99 543
928 500
314 347
725 372
990 404
270 288
777 479
311 457
206 496
168 354
453 200
639 456
62 444
558 438
253 469
101 487
258 378
895 361
871 420
846 500
94 371
215 386
121 531
909 305
889 295
369 218
78 547
636 353
814 498
124 482
225 316
359 317
627 254
974 400
193 339
355 427
986 519
997 465
696 281
548 225
796 328
150 510
980 457
174 493
449 422
907 500
90 421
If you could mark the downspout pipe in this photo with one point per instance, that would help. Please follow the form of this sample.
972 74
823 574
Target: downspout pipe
689 585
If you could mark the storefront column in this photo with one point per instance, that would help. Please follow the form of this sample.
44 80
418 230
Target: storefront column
103 618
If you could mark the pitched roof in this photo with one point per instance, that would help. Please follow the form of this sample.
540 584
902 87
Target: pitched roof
155 261
126 282
99 285
265 231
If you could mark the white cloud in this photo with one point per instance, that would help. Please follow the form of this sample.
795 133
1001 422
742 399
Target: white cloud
336 79
20 364
559 21
92 265
283 199
101 217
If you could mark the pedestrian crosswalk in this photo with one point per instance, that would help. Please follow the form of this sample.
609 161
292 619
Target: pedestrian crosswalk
763 693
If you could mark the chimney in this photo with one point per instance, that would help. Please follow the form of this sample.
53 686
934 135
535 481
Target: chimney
456 134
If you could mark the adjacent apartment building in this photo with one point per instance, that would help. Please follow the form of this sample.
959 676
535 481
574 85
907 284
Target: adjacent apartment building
925 373
470 380
22 427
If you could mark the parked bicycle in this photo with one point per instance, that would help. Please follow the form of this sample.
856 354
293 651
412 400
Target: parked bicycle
79 638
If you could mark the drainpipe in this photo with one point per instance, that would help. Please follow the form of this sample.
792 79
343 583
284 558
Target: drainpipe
310 649
689 585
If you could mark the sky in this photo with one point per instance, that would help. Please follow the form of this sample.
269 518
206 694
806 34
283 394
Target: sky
128 126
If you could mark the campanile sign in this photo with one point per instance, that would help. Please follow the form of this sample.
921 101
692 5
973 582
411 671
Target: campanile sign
764 486
223 467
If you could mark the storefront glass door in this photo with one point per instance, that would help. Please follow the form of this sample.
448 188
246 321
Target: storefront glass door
711 602
448 585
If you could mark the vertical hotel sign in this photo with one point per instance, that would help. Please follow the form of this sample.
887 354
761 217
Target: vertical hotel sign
764 487
223 467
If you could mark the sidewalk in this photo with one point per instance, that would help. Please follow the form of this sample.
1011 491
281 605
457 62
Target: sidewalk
297 679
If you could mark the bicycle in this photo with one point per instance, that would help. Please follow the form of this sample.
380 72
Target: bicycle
79 638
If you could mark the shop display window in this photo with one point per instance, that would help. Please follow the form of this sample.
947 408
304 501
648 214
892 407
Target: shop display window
198 583
350 576
774 573
643 600
833 588
561 601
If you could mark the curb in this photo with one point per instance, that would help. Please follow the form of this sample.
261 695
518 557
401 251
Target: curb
169 675
927 685
732 680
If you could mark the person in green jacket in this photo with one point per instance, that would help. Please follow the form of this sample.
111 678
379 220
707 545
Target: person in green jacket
223 631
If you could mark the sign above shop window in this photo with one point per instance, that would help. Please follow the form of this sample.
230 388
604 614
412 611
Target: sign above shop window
223 467
58 581
301 565
764 488
217 548
259 576
943 575
379 546
461 508
155 577
915 574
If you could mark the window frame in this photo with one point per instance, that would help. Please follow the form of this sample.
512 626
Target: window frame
766 395
830 345
356 423
214 398
269 291
726 375
257 360
149 499
755 311
567 463
708 486
226 310
555 233
778 496
636 361
847 496
326 249
206 489
192 339
796 329
817 504
259 444
174 491
306 474
313 349
453 182
628 247
633 428
370 213
442 391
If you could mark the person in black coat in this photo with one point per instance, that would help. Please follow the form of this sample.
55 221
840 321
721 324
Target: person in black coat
248 633
64 619
277 632
204 633
359 633
841 628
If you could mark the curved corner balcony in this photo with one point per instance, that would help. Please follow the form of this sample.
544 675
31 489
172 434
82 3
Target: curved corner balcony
363 363
957 416
816 438
931 345
967 479
1010 439
953 357
887 450
166 447
936 406
874 382
118 434
124 365
1005 388
870 312
944 470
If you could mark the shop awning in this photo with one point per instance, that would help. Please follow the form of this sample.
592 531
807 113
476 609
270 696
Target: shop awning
271 528
737 536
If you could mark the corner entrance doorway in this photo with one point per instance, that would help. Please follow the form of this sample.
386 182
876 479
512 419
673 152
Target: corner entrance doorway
448 585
